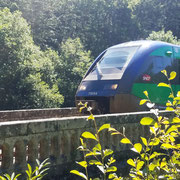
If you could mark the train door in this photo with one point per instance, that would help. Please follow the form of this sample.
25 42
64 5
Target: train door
151 76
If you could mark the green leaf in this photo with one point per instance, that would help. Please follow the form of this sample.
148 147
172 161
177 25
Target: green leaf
176 120
164 72
125 141
152 167
140 165
111 169
144 141
146 93
95 162
138 147
143 101
154 142
79 174
91 117
131 162
171 129
88 135
163 85
168 146
82 163
172 75
104 126
147 121
112 176
108 152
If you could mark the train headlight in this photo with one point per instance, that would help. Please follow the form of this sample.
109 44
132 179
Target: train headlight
82 88
114 86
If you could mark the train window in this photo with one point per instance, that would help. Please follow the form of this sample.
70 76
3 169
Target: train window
160 63
113 63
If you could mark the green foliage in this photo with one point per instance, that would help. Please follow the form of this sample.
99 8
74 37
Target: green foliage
164 36
150 164
27 74
101 158
73 63
37 174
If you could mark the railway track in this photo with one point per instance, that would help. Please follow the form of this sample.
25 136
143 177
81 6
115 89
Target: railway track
31 114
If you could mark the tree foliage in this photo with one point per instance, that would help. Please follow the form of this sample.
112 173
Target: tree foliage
73 63
27 75
164 36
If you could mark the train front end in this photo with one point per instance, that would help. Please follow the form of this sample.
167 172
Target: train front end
106 86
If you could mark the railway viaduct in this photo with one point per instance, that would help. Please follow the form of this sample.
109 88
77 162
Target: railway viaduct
28 135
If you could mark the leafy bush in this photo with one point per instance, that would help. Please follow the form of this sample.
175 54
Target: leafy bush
37 174
150 164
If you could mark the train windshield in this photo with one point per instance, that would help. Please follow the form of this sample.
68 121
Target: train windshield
113 63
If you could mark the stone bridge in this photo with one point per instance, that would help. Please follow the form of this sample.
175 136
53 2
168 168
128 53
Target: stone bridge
23 140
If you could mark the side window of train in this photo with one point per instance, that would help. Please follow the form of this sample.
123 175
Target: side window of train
160 59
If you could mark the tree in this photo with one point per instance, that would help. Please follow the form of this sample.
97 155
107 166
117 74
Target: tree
73 64
164 36
27 75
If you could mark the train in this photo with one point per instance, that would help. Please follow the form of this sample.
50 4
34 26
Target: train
117 78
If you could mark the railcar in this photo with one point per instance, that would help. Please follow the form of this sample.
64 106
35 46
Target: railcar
117 78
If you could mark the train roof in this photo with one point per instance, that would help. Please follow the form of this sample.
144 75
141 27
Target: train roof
143 43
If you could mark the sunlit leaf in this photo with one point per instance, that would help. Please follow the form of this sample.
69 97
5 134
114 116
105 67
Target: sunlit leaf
82 163
152 167
138 147
108 152
88 135
146 93
91 117
168 146
140 165
79 174
111 169
131 162
147 121
95 162
172 75
104 126
143 101
163 85
164 72
171 129
125 141
144 141
178 94
169 109
154 142
171 95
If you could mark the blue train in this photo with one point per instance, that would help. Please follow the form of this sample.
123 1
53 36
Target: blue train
117 78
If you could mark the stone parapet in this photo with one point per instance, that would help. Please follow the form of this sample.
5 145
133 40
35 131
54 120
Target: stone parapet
23 141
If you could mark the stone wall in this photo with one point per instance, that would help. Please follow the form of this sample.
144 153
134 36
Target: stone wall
31 114
58 138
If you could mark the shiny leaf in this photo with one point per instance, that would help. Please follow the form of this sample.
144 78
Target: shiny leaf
125 141
147 121
163 85
144 141
104 126
138 147
88 135
172 75
131 162
79 174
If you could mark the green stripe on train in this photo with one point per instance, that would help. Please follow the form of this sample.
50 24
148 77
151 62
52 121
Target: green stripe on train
157 94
